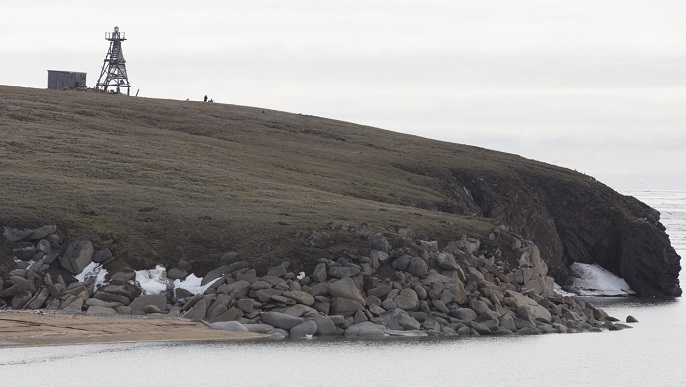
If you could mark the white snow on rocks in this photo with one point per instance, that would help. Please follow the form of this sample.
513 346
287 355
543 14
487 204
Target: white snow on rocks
593 280
153 281
192 284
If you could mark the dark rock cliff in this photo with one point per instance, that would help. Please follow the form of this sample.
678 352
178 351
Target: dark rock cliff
580 220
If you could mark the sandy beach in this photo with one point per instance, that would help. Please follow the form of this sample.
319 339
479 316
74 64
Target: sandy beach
31 328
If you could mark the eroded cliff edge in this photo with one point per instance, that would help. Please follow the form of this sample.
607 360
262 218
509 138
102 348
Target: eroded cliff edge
580 221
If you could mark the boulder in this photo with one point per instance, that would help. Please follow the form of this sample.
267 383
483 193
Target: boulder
230 315
103 255
345 306
307 328
343 271
24 253
236 289
259 328
176 273
300 297
20 286
407 299
380 291
95 309
281 320
346 288
300 310
78 255
447 261
319 239
325 326
463 314
198 311
139 303
73 304
246 304
42 232
365 329
20 299
319 274
278 271
418 267
229 326
38 299
538 312
407 322
16 235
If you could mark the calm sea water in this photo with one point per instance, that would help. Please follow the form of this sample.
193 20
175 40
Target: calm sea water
649 354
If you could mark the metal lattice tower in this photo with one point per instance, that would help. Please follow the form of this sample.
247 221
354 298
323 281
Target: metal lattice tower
113 75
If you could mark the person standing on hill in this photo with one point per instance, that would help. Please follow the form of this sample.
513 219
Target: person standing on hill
205 100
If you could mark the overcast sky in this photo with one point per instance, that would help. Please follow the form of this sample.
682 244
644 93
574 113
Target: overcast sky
594 85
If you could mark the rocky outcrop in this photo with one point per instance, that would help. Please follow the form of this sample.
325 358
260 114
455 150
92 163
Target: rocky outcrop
415 287
577 221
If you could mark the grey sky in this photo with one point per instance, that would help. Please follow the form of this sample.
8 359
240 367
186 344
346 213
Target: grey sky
593 85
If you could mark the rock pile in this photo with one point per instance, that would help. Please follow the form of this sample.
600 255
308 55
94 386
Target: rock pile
412 287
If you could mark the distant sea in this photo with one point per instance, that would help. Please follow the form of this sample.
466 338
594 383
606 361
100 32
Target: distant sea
649 354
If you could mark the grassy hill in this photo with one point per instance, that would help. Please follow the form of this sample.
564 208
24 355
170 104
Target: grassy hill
166 180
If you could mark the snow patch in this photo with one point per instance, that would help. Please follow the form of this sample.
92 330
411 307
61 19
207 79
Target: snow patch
153 281
593 280
558 290
192 284
88 272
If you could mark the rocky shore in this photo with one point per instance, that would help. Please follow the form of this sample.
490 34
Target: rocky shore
401 285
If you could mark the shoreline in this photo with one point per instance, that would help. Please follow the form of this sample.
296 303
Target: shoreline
52 328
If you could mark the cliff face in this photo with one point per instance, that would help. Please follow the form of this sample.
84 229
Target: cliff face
586 222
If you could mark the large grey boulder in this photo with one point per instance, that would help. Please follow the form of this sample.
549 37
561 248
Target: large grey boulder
325 326
139 303
447 261
78 255
407 322
236 289
24 253
259 328
42 232
345 306
346 288
38 299
463 314
19 287
319 274
418 267
103 255
278 271
307 328
343 271
407 299
72 304
300 310
229 326
20 299
16 235
300 297
198 311
537 311
281 320
365 329
379 242
96 309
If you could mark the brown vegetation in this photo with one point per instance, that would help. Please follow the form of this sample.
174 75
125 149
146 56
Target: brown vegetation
164 180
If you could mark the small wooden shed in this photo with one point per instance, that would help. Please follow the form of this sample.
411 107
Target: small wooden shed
66 80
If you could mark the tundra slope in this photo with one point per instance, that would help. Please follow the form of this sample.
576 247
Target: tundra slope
158 181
